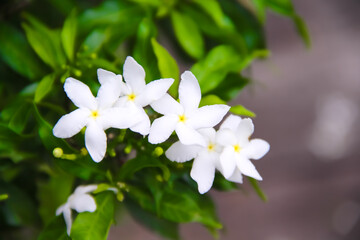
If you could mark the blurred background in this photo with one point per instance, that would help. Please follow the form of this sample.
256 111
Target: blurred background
307 104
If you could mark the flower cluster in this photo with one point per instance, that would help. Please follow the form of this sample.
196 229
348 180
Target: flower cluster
121 105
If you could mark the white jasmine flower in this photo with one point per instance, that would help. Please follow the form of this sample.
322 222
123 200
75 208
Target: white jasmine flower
234 136
80 201
97 114
137 94
185 117
206 159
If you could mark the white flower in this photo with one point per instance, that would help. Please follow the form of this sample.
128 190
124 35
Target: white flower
206 159
80 201
234 136
97 114
137 94
185 117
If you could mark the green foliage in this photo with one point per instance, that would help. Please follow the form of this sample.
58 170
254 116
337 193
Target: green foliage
216 39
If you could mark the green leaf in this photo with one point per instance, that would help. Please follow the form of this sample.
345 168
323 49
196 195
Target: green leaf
241 110
229 88
213 9
260 7
16 52
95 225
20 118
55 230
257 189
302 30
44 87
188 34
163 227
167 66
212 70
136 164
222 184
45 42
210 100
52 194
94 41
68 35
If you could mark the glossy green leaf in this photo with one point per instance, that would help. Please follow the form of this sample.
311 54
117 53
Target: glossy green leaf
213 9
229 88
44 87
188 34
20 117
16 52
302 30
68 35
210 100
241 110
260 7
257 189
167 66
95 225
165 228
94 41
136 164
212 70
222 184
55 230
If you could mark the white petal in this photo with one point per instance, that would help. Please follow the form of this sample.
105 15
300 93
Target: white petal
167 105
226 137
189 91
208 116
68 220
154 91
162 128
189 136
119 117
83 203
245 129
85 189
231 122
203 172
79 94
143 125
95 141
256 149
228 161
179 152
236 176
109 93
246 167
61 209
134 74
208 133
105 76
70 124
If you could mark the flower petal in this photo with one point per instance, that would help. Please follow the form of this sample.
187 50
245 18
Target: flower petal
189 91
119 117
162 128
95 141
245 129
154 91
236 177
143 125
167 105
79 94
70 124
208 133
228 161
203 172
179 152
85 189
208 116
61 209
226 137
256 149
83 203
68 220
231 122
109 93
134 74
189 136
246 167
105 76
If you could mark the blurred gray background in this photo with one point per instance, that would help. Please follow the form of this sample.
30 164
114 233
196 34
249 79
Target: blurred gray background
308 108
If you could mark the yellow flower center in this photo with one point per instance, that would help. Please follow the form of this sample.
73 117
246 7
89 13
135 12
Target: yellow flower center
211 147
182 118
237 148
131 97
94 114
